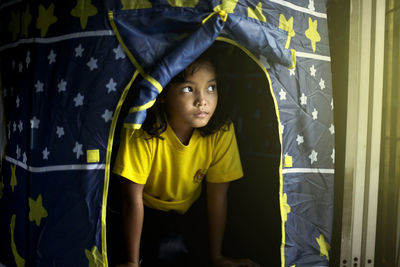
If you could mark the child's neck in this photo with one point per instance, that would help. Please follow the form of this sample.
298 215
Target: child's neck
183 133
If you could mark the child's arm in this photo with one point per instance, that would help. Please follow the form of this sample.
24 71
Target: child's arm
132 209
217 204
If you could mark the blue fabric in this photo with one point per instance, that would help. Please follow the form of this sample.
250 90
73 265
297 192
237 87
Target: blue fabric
166 41
64 72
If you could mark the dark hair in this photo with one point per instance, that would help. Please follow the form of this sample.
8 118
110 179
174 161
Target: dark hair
156 122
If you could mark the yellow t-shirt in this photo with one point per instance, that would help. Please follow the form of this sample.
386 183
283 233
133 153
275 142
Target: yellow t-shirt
172 172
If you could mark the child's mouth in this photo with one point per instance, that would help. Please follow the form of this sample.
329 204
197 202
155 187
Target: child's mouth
201 114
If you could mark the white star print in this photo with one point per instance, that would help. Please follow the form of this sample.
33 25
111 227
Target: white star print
78 100
20 126
28 58
111 85
333 156
79 50
313 70
313 156
17 101
282 94
322 84
315 114
62 86
332 104
46 153
60 131
292 72
25 159
20 67
300 139
35 123
107 115
332 129
39 86
18 152
282 128
14 126
78 150
303 99
92 64
52 57
119 52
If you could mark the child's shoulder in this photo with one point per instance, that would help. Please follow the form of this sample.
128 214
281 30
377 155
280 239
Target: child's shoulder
227 129
136 134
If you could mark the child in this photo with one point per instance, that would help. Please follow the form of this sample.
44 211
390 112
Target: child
185 138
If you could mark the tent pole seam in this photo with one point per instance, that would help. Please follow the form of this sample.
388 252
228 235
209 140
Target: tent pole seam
107 168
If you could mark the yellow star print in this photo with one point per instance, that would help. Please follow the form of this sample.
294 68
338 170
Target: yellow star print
14 25
37 211
26 20
94 257
183 3
227 5
83 10
287 25
133 4
323 246
285 207
256 13
19 261
312 33
13 181
45 19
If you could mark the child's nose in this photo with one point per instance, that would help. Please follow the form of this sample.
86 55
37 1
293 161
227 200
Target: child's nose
200 99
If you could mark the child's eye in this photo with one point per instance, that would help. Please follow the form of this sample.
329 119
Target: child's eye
187 89
211 88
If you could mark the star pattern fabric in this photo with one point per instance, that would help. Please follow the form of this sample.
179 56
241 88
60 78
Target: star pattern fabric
92 64
111 86
79 50
62 86
52 57
36 210
119 52
64 81
45 19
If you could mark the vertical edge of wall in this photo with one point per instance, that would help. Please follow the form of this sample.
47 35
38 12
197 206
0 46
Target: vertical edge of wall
364 109
356 141
376 92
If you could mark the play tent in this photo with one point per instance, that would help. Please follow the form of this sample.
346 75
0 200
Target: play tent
74 73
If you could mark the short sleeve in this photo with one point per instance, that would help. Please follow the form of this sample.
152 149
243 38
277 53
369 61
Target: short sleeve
226 165
134 156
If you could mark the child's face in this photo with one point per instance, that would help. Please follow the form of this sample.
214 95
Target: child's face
192 103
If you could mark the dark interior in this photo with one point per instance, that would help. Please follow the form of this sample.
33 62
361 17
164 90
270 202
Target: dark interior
254 224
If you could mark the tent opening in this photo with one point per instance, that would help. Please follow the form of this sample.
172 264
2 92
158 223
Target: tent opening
253 227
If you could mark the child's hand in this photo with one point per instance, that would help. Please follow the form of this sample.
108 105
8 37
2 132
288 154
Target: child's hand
228 262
